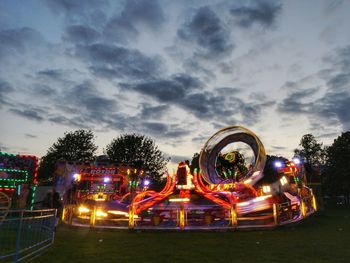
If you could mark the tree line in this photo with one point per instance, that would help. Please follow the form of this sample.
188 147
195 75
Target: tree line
136 150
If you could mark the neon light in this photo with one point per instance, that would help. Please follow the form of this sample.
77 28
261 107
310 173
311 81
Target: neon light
296 160
83 209
243 204
266 189
248 181
278 164
77 177
116 212
261 198
179 199
100 213
283 181
106 179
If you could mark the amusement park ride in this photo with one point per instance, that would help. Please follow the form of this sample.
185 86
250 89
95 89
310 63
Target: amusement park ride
18 180
224 193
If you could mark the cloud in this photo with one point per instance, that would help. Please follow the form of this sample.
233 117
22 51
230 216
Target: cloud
81 34
70 121
19 40
111 61
30 136
88 11
125 26
87 97
5 88
153 112
192 95
32 113
166 90
208 33
179 158
43 90
296 102
331 107
256 12
4 147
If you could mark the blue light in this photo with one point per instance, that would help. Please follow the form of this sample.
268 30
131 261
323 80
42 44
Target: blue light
106 179
75 176
278 164
296 160
146 182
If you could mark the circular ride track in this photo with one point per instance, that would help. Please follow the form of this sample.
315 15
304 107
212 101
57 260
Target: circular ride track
219 141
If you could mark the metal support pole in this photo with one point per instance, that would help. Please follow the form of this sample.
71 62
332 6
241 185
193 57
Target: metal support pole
233 216
131 217
303 208
182 217
18 237
275 214
93 217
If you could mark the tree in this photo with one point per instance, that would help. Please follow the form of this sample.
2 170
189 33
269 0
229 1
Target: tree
139 152
311 151
336 180
78 145
195 162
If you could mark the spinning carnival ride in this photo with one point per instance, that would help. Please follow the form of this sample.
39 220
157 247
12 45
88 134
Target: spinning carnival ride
225 192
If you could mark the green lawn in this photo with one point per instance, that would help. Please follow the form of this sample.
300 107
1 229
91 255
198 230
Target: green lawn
321 238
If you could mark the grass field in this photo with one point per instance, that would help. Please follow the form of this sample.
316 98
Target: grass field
321 238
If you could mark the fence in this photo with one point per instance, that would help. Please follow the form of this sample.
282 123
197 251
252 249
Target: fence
25 234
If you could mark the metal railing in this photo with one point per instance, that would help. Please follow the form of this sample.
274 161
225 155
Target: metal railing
25 234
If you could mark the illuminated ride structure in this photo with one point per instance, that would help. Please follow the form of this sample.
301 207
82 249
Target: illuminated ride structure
18 180
101 194
224 194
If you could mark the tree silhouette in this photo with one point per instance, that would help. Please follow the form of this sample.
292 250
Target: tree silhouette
77 145
311 150
336 180
140 152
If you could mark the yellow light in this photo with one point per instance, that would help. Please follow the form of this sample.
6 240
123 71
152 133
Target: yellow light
283 181
100 213
243 204
100 199
248 181
266 189
275 214
303 208
261 198
83 209
179 200
314 203
116 212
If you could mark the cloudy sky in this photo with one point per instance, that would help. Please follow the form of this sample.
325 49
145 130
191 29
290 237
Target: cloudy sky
176 71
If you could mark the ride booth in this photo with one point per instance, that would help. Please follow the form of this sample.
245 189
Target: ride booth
18 179
101 195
